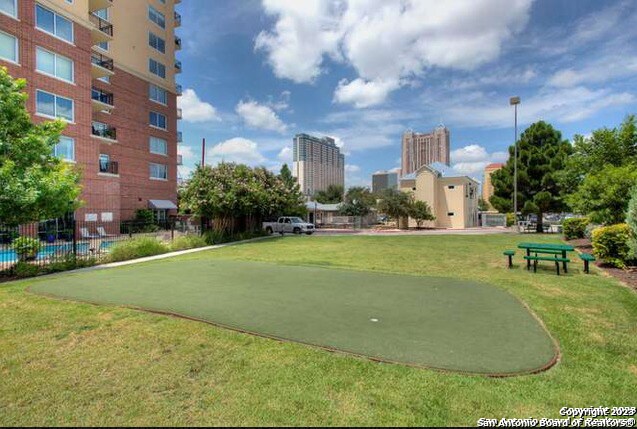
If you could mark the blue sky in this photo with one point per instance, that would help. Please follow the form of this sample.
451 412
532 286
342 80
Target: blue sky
256 72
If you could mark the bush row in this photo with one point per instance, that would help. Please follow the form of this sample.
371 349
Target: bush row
126 250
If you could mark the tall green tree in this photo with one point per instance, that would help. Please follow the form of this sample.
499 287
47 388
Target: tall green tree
286 176
34 184
603 194
332 195
542 154
359 201
395 204
615 147
600 172
421 212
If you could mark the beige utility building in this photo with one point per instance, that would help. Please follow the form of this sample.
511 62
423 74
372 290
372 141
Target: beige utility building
487 185
453 200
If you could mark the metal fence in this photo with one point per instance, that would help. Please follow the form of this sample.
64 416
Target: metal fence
61 240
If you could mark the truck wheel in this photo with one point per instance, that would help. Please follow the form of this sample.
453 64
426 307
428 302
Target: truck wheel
269 230
297 230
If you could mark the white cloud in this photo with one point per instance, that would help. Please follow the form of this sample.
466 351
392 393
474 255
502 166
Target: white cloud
305 31
472 159
260 116
196 110
363 93
238 149
387 43
599 70
562 105
352 168
285 155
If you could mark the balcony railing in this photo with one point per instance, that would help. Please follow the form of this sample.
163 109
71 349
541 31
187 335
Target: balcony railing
109 167
180 160
178 66
104 131
177 42
179 89
102 96
177 20
103 25
179 113
180 137
102 61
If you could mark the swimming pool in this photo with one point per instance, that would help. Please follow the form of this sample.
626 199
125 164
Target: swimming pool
9 256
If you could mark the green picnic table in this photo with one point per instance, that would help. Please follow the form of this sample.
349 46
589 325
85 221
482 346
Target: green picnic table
546 248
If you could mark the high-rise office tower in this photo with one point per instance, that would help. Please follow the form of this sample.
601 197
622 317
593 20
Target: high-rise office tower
106 68
382 180
425 149
318 163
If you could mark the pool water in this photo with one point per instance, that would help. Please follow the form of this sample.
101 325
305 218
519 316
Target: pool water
10 256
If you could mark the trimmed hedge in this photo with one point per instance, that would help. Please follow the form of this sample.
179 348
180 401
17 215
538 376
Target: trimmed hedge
611 244
575 227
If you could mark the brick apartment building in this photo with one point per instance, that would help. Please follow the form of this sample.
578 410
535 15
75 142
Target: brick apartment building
108 69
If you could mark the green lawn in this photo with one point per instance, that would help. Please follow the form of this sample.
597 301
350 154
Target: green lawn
63 362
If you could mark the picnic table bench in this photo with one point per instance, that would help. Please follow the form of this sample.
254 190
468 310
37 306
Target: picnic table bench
535 250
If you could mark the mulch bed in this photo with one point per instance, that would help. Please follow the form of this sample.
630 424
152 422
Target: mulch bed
627 276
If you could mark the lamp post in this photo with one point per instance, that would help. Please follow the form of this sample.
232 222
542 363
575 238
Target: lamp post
514 101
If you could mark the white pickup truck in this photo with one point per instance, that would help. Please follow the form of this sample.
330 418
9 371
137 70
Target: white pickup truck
289 224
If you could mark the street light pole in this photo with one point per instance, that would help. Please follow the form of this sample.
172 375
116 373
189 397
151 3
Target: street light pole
514 101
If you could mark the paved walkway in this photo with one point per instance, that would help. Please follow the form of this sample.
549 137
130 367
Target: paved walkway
390 232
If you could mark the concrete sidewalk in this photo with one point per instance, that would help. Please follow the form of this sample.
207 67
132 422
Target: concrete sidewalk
399 232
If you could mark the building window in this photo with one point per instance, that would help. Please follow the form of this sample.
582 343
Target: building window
8 47
158 120
158 171
9 7
157 42
65 149
54 64
158 146
53 106
451 187
156 16
53 23
157 68
158 94
450 214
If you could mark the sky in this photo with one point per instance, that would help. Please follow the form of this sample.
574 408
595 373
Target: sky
257 72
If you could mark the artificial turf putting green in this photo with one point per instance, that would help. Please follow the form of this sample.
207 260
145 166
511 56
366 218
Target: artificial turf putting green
432 322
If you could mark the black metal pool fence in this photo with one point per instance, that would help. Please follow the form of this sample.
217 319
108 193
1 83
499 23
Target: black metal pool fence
57 241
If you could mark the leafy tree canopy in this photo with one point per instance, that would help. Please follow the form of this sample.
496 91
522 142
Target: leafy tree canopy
395 204
359 201
615 147
230 191
542 155
34 184
332 195
420 212
603 194
286 176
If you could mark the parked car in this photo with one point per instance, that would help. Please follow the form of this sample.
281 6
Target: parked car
289 224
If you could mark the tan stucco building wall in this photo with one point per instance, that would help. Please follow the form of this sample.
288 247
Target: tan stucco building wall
487 185
454 200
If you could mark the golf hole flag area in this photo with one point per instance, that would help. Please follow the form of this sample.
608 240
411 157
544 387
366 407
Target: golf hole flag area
431 322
